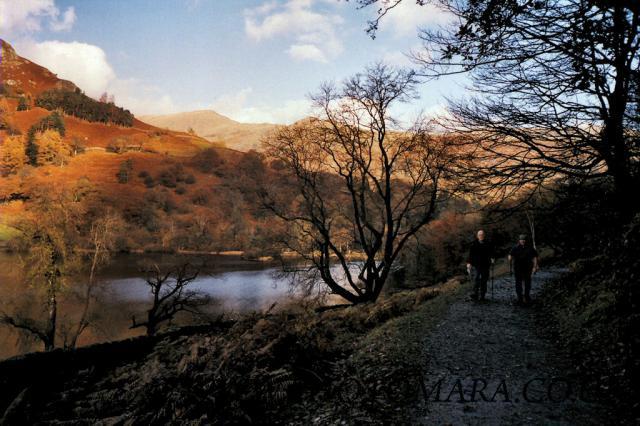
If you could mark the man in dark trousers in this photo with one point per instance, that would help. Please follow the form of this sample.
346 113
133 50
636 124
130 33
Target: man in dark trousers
479 262
523 261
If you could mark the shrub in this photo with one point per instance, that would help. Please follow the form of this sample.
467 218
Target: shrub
160 199
31 147
77 145
200 197
143 215
207 160
118 145
149 182
166 178
54 121
126 167
22 104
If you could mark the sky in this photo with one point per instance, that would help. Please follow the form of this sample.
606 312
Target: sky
252 60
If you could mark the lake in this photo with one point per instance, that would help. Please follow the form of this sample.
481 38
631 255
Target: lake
234 285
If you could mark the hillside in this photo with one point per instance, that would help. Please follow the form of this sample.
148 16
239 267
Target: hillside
214 127
163 183
23 79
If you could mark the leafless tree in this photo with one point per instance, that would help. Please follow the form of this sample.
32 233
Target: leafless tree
557 84
101 234
170 295
357 178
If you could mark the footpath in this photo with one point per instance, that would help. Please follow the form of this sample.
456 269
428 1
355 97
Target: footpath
488 363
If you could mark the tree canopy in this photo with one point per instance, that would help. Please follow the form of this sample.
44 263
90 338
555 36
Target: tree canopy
80 105
556 84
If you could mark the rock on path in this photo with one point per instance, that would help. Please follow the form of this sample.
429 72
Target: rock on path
498 348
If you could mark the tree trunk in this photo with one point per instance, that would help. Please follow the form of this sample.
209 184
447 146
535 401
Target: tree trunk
618 160
151 328
49 343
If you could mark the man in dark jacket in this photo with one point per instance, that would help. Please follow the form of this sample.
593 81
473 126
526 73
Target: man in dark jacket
479 263
523 260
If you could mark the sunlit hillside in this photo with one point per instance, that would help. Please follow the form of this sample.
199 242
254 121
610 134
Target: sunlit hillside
214 127
157 179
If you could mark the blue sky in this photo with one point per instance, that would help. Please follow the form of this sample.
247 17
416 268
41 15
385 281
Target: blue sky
253 60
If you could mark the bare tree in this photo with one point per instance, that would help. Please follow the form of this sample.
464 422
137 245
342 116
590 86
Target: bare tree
357 178
101 234
557 84
170 295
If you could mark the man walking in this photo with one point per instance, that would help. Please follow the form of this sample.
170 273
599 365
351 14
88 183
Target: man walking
523 261
479 262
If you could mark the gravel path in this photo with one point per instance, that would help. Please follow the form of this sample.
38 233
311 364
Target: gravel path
498 347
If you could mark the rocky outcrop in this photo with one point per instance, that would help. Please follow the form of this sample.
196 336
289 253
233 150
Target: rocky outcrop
8 52
22 77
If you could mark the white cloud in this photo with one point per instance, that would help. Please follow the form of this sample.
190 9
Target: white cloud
67 21
27 16
303 52
87 66
405 18
313 34
84 64
236 106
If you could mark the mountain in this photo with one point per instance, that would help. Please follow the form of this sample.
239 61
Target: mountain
214 127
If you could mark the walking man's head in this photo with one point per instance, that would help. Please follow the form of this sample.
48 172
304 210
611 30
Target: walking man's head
480 235
522 239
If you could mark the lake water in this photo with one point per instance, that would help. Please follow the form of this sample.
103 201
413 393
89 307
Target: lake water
233 284
239 291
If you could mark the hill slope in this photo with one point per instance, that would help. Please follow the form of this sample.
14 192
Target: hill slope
214 127
172 181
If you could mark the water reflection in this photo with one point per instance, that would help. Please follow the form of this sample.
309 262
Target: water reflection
238 291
